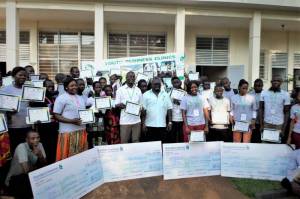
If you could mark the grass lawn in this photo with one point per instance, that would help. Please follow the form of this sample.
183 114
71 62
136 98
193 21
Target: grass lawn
250 187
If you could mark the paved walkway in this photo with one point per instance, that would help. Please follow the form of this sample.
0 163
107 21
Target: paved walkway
215 187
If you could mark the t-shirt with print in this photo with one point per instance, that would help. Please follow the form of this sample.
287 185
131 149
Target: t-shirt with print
295 115
194 105
17 120
68 105
23 153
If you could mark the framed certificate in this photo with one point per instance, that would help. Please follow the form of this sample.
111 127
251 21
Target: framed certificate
31 93
86 116
177 94
193 76
40 114
102 102
241 126
3 125
133 108
34 77
141 76
271 135
6 81
37 83
9 102
197 136
220 118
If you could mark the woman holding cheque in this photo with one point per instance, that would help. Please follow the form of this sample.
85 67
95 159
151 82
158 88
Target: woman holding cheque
243 112
72 138
194 111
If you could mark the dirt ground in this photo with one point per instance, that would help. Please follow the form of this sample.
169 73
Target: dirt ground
215 187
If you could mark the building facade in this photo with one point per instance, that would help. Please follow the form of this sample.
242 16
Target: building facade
236 38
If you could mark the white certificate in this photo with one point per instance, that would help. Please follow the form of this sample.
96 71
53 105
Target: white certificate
3 125
6 81
86 73
168 82
177 94
40 114
141 76
34 77
102 102
31 93
271 135
197 136
219 118
241 126
37 83
9 102
193 76
86 116
133 108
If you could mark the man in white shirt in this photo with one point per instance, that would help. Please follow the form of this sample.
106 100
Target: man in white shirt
274 107
130 125
157 106
256 93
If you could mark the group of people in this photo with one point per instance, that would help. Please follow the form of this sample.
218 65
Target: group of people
215 111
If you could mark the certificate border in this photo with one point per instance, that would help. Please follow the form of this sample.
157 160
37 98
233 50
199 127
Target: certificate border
34 76
134 104
2 119
89 110
267 140
44 93
180 90
104 107
31 108
37 81
192 142
10 110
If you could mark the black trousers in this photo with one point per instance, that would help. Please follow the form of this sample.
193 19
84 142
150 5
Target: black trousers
256 134
19 186
176 134
220 135
155 133
17 136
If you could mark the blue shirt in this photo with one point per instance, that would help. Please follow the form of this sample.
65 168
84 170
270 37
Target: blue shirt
156 107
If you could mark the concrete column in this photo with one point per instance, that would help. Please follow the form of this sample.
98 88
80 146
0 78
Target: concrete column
12 35
180 30
254 46
99 33
33 40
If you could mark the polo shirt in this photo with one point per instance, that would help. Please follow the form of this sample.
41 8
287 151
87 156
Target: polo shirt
156 108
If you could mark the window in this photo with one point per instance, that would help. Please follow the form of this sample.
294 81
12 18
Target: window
211 51
262 66
297 60
24 47
279 66
59 51
133 44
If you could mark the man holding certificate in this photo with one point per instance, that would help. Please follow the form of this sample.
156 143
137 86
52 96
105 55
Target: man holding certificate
130 121
243 110
16 121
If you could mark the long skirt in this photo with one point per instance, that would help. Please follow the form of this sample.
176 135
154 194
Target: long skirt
69 144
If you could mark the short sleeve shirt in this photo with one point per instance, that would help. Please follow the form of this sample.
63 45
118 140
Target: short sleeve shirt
295 115
274 103
23 154
229 94
219 107
194 105
126 94
243 108
68 105
17 120
156 108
